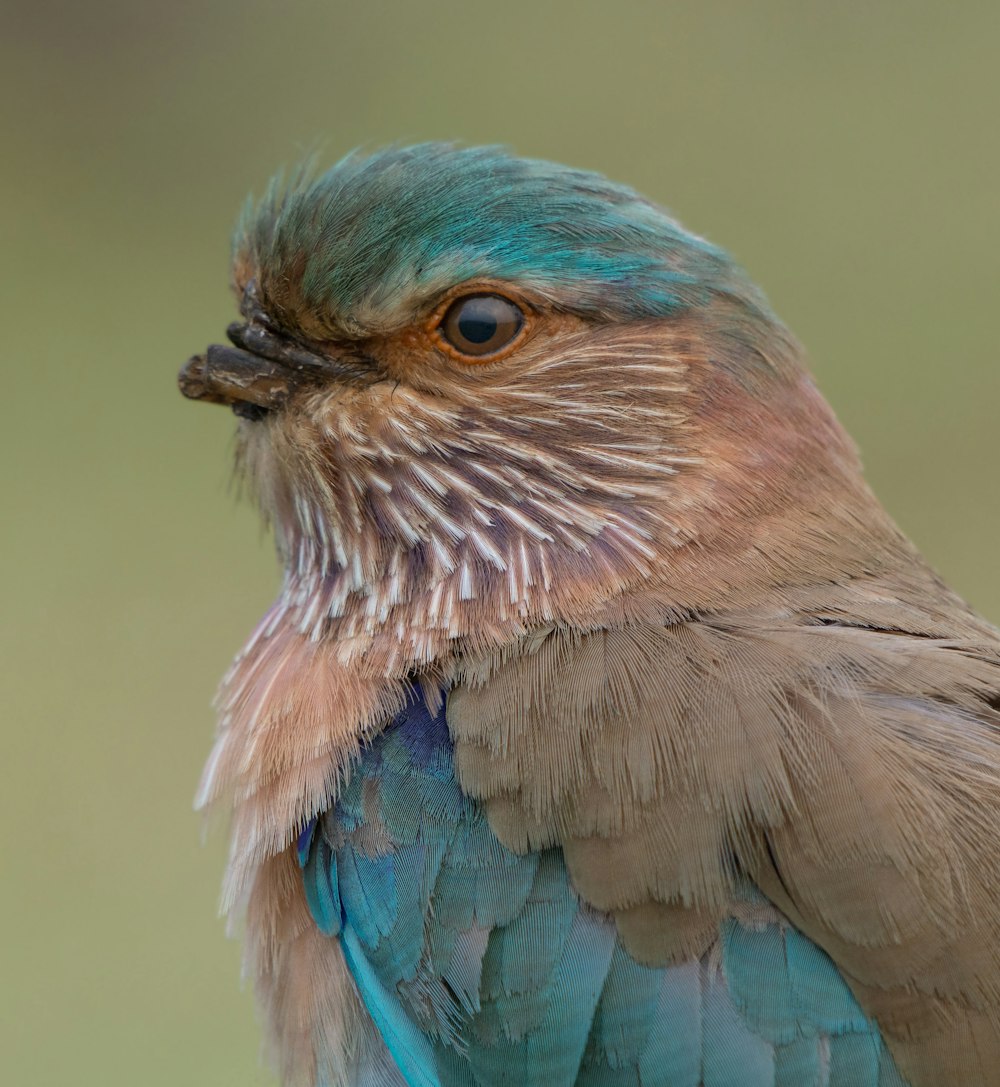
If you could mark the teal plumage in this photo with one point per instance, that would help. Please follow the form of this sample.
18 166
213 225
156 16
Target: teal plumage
369 241
606 732
492 971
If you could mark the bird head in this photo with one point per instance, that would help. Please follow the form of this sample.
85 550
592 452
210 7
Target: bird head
476 388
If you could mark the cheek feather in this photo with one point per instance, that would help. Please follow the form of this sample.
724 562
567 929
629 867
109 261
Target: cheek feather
400 510
595 460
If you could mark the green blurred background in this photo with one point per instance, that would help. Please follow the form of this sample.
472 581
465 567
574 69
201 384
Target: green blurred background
847 153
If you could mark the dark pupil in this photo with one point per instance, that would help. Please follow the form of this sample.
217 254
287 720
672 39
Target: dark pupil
476 322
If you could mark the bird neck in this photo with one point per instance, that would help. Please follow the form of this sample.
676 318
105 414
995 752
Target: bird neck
774 499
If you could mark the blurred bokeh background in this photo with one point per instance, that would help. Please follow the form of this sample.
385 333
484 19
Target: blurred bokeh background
848 154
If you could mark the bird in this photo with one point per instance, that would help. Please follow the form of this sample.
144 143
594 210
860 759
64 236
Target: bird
605 731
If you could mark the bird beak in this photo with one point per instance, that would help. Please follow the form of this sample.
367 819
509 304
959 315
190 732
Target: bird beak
256 375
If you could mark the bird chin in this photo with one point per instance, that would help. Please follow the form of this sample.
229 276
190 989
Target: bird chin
251 412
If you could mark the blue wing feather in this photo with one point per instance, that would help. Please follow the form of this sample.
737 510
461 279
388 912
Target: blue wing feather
673 1054
409 1047
482 967
322 886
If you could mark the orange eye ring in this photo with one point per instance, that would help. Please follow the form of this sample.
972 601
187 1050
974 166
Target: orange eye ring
479 326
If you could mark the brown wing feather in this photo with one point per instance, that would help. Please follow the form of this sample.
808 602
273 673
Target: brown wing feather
844 751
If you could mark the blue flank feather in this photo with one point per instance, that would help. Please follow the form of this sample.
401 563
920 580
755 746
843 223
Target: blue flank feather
481 967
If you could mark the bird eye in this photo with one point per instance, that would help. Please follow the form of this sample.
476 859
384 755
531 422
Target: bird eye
479 325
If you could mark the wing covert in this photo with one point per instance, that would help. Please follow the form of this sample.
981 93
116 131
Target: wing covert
484 966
